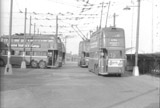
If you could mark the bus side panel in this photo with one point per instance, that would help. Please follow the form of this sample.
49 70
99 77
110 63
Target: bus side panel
4 58
91 64
16 60
28 60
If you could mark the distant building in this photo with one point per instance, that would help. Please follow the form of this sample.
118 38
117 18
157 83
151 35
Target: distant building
71 57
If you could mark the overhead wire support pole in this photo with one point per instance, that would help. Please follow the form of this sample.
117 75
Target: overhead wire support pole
30 25
152 26
8 68
23 64
114 20
57 26
136 69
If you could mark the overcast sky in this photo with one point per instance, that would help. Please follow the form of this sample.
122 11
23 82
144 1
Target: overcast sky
86 15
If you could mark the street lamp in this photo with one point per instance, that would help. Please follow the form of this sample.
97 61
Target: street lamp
136 69
8 68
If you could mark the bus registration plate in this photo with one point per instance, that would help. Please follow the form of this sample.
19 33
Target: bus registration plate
115 63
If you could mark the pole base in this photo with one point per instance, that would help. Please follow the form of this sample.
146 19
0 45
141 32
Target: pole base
135 71
23 65
8 69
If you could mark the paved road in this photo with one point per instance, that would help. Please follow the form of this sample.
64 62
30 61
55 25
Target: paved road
75 87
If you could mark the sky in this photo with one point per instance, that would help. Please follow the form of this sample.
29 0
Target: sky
85 16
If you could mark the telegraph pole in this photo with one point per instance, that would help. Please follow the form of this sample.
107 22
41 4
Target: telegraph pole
8 68
57 26
23 64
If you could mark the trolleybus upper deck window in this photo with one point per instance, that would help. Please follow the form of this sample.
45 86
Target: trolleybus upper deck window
115 54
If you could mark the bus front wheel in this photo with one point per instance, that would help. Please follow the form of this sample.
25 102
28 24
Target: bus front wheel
42 64
34 64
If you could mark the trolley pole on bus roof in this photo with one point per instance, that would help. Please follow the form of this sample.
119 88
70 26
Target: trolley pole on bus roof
107 13
8 68
101 15
23 64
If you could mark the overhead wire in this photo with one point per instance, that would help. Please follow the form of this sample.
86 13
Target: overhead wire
94 7
75 17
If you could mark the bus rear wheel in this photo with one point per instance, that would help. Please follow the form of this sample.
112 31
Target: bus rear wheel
34 64
42 64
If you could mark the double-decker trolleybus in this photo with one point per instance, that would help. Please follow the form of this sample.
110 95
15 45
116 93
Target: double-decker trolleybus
84 53
107 51
41 51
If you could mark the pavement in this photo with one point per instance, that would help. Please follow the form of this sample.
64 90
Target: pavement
75 87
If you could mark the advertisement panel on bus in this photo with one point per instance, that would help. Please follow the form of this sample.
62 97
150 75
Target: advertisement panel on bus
40 51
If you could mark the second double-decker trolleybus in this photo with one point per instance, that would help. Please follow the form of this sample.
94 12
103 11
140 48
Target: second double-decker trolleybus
84 53
41 51
107 51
